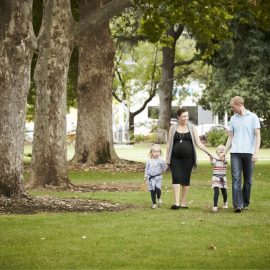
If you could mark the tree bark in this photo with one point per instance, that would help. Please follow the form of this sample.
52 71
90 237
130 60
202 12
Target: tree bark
94 143
166 87
17 43
49 160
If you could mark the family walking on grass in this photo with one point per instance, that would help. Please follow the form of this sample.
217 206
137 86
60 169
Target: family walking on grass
243 141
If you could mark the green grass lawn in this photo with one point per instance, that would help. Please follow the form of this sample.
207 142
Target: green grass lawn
143 238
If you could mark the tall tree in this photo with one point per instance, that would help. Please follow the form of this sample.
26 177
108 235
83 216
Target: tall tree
17 43
94 141
167 82
55 42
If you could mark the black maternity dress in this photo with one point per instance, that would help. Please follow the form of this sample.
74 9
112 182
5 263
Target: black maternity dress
182 159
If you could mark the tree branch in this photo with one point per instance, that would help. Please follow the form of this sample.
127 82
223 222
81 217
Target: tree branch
131 39
184 74
178 32
116 97
151 96
120 78
104 14
153 87
187 62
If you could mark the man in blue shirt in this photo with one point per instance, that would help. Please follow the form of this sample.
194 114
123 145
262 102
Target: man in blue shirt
244 140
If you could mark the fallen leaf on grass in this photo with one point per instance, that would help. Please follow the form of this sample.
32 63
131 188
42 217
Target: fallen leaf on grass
212 247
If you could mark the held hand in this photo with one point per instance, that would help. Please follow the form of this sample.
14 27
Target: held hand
210 156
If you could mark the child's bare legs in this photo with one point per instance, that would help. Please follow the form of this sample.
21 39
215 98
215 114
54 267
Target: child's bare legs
184 192
176 193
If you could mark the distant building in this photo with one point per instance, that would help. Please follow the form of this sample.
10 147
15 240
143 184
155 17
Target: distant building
147 120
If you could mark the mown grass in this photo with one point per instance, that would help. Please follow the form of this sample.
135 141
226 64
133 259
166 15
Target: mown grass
142 238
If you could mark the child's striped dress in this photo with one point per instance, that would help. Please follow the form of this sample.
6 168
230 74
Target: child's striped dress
219 173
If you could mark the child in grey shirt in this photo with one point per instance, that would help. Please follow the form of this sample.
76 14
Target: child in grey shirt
154 168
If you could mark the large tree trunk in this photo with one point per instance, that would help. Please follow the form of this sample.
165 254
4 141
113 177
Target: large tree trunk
165 93
166 88
17 42
94 143
49 147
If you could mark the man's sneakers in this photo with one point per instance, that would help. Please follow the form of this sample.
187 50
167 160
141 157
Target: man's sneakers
238 210
214 209
154 206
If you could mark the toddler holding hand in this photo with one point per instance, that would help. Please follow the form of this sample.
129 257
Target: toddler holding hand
219 180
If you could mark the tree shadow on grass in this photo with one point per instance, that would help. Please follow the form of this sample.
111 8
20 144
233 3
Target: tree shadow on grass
48 204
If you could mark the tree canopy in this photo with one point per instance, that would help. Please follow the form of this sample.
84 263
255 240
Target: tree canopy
241 67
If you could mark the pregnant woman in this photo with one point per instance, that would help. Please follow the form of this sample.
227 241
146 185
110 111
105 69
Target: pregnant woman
181 156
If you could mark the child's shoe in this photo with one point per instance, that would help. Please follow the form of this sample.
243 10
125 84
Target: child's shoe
154 206
214 209
159 202
225 205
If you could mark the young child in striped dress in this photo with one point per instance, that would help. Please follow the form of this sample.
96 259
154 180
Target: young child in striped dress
154 168
219 180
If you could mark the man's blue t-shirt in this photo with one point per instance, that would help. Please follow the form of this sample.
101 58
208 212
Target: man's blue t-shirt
243 129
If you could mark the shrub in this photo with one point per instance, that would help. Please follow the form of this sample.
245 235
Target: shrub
216 137
137 138
150 138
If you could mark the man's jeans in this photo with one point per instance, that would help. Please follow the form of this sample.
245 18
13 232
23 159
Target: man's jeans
239 163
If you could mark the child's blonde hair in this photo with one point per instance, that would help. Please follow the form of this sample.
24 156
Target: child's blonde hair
154 147
221 145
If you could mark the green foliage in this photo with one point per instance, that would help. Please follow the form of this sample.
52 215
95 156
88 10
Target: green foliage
216 137
137 138
125 26
72 79
75 9
265 135
199 17
136 71
242 67
150 138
